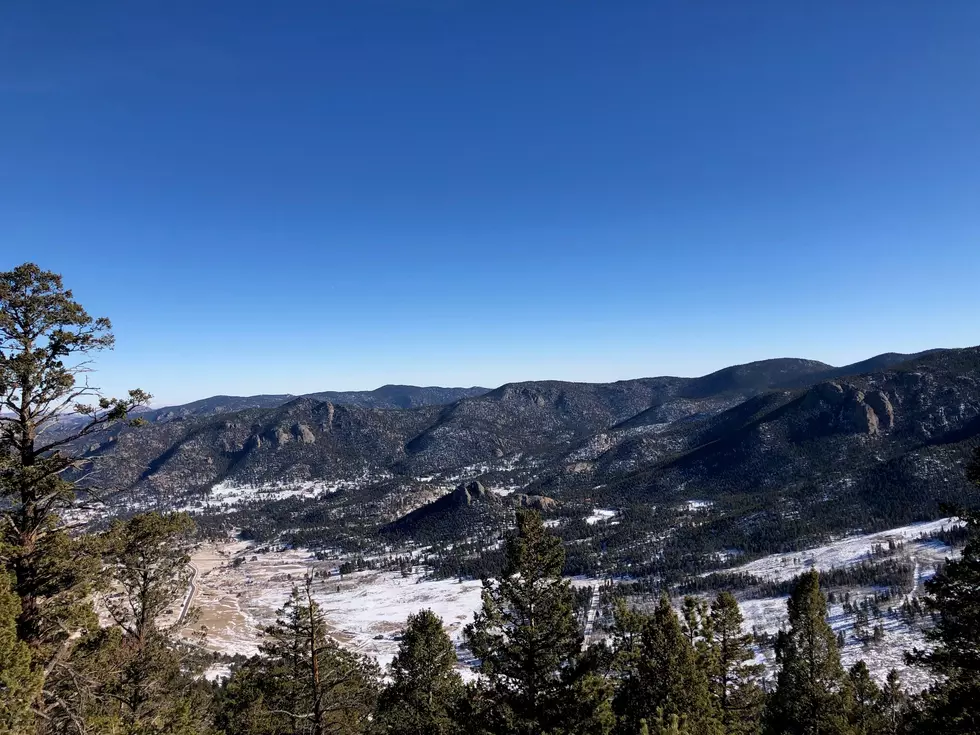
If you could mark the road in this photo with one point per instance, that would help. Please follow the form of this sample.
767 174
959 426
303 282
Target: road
190 596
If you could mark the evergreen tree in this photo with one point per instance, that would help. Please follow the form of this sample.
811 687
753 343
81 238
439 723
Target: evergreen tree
302 682
146 684
734 677
46 338
19 683
894 703
866 713
534 676
953 703
659 674
425 688
628 699
810 696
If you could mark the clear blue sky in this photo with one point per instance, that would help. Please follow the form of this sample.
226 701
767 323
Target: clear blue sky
295 196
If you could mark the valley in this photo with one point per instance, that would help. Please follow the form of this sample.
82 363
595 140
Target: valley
741 480
240 585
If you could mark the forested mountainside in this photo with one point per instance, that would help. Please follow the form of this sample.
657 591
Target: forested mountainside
387 396
602 429
770 459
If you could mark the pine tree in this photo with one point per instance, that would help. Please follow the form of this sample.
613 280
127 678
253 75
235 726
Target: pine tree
697 624
628 699
734 677
866 714
952 704
894 703
19 682
659 674
147 683
46 338
425 688
302 682
810 696
534 677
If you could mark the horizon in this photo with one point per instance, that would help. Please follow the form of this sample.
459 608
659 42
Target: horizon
155 404
339 196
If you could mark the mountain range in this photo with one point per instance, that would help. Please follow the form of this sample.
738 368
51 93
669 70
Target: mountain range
693 429
387 396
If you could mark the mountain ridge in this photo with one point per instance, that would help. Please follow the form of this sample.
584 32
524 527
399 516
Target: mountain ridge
308 438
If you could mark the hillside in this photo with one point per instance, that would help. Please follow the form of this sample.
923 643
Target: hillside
775 465
387 396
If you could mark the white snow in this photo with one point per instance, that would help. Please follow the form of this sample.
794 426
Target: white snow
227 494
698 504
602 515
846 551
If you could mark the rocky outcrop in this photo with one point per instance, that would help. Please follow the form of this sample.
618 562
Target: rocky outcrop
535 502
471 492
830 393
304 434
878 400
854 410
863 418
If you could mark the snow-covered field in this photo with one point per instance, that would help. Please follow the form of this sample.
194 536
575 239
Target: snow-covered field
769 614
698 504
600 515
848 551
239 589
364 610
226 495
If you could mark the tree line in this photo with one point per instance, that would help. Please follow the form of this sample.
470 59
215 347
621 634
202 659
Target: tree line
90 622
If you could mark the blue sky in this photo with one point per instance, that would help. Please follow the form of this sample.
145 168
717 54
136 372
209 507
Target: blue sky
299 196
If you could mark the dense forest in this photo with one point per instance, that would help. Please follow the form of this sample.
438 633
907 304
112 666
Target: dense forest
89 621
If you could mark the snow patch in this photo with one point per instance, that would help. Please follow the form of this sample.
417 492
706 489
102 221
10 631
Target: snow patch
601 515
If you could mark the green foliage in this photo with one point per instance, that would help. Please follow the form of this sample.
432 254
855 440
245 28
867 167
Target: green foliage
953 704
811 694
535 678
301 682
895 706
46 340
664 670
425 691
673 681
866 715
144 676
734 678
148 559
19 682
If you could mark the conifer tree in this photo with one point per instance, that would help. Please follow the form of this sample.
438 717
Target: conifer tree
697 624
894 703
302 682
810 696
628 699
866 706
952 704
46 341
534 677
148 685
734 677
423 697
19 682
660 676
